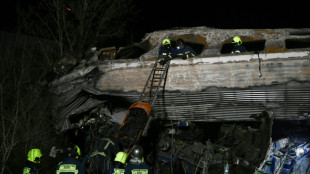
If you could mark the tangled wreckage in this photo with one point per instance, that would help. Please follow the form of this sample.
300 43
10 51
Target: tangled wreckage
208 113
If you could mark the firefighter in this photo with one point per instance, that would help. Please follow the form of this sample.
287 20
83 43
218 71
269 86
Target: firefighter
119 164
136 163
237 45
183 50
72 163
166 52
33 162
101 156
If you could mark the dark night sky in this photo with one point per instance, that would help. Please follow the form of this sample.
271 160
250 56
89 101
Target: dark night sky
220 14
7 14
165 14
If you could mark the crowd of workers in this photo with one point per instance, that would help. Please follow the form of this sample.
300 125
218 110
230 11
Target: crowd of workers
74 164
167 52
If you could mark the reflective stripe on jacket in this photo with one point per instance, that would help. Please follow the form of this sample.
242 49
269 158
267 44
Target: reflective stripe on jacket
118 171
67 168
139 171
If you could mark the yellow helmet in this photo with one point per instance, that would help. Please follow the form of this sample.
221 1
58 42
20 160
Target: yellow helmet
34 155
237 40
166 42
121 157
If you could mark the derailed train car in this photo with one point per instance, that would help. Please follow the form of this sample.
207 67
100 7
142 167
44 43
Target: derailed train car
239 93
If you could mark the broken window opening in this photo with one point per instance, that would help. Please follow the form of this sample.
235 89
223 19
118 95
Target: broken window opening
297 43
133 51
197 47
257 45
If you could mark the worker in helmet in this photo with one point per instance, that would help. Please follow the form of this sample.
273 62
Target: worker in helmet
136 163
183 50
72 163
119 163
102 153
33 162
237 45
166 52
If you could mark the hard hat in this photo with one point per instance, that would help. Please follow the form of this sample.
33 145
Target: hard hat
237 40
121 157
166 42
137 152
34 155
180 43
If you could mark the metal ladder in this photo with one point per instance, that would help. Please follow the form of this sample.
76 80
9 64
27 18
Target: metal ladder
152 87
154 82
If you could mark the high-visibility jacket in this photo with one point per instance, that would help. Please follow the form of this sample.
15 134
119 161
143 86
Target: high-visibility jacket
163 53
101 156
185 52
138 168
32 168
166 55
239 49
116 171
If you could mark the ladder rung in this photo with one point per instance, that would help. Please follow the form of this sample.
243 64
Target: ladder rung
154 87
158 78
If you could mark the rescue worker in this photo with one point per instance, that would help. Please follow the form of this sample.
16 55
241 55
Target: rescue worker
166 52
136 163
237 45
102 152
33 162
183 50
72 163
119 164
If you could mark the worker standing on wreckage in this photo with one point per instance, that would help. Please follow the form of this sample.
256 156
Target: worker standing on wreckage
183 50
72 163
102 153
166 52
237 45
136 163
119 164
33 165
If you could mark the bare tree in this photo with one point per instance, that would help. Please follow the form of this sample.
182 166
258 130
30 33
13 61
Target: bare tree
77 25
25 119
24 116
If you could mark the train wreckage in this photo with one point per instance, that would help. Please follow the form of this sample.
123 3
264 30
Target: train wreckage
211 108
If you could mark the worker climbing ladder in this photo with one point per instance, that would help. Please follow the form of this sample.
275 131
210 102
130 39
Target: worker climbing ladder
138 114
